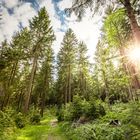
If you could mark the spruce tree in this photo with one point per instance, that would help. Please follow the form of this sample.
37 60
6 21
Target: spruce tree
66 66
42 37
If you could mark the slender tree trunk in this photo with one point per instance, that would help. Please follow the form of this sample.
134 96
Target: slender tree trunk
46 89
42 103
133 22
136 83
66 91
29 89
106 88
10 82
69 81
20 101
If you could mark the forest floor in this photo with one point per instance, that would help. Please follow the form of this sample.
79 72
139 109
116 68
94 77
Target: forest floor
48 129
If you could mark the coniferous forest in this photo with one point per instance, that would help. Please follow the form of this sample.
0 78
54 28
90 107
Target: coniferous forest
44 96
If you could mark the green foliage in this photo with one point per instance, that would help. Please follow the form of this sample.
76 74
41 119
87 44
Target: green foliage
60 114
7 124
134 117
101 129
5 120
20 120
66 64
98 132
81 108
35 119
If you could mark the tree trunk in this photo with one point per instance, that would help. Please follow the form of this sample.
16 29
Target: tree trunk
69 81
66 91
20 99
10 82
29 89
133 22
46 89
42 103
136 83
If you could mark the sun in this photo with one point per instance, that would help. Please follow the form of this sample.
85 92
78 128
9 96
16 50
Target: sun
134 54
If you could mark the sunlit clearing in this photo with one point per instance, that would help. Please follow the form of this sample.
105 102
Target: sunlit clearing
134 54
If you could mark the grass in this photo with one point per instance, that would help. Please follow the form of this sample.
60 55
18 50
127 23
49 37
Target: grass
43 131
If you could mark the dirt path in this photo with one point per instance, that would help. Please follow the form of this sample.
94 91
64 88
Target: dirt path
48 129
55 134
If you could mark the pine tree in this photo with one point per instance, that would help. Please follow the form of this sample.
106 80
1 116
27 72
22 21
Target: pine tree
44 83
42 37
82 69
66 66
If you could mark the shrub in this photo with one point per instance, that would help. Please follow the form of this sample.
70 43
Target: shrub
60 114
5 120
35 119
7 124
73 111
101 110
20 120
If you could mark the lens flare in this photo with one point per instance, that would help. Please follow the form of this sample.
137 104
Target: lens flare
134 54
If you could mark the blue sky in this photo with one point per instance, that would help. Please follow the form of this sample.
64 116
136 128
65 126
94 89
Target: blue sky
16 13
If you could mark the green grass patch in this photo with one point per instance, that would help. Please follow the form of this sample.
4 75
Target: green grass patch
43 131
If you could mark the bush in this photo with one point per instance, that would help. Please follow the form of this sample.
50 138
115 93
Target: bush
60 114
101 110
20 120
127 114
7 124
80 108
5 120
35 119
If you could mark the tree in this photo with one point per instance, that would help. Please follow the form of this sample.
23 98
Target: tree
117 32
11 56
44 83
82 69
111 82
42 37
66 66
79 6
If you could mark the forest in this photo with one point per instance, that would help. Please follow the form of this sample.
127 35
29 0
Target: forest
67 97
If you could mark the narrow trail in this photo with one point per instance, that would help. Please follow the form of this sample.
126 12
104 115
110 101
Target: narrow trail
48 129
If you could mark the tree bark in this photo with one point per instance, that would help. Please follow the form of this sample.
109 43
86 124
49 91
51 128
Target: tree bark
10 82
66 91
133 22
69 89
42 104
46 89
29 89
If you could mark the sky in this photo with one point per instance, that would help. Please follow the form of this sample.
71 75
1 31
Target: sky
16 13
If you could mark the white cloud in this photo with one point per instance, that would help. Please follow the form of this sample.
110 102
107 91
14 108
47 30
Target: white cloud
8 25
64 4
57 44
22 12
11 3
